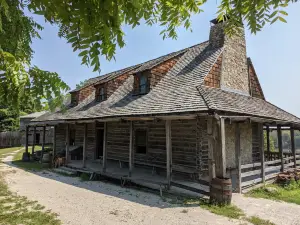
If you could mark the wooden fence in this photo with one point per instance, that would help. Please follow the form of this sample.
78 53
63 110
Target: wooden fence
10 139
253 174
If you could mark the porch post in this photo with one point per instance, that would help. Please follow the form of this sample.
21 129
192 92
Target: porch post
268 143
131 149
84 145
211 163
54 140
33 140
262 152
43 142
169 150
67 142
279 136
238 157
293 146
26 139
104 158
221 152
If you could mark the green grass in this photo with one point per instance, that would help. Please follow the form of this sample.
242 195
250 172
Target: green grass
289 193
17 160
15 210
258 221
230 211
5 151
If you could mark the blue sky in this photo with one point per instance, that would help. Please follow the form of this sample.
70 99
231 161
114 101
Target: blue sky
274 52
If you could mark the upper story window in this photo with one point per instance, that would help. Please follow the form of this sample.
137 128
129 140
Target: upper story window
100 93
74 98
141 83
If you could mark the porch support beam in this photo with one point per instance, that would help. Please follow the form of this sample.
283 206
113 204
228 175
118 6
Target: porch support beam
169 151
67 142
84 145
220 151
238 157
279 137
104 157
211 163
268 142
293 146
262 152
54 140
43 143
26 139
131 154
33 140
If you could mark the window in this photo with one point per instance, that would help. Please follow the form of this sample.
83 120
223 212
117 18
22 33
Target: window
101 94
141 141
74 97
141 85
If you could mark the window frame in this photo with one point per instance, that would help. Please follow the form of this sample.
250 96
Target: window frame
74 98
135 140
100 97
138 85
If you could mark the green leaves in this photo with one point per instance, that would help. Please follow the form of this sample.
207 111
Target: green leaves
255 14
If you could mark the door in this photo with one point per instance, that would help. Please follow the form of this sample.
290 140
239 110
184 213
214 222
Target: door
99 143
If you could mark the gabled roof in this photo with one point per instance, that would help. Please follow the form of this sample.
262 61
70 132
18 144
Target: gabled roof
181 90
221 100
33 115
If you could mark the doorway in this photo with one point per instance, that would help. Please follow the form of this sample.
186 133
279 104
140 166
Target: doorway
99 143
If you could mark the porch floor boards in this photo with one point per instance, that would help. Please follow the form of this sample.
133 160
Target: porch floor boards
141 176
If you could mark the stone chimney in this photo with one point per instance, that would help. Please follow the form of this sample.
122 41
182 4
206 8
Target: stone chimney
234 71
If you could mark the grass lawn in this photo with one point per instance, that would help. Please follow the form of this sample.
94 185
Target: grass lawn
17 160
14 209
290 193
5 151
230 211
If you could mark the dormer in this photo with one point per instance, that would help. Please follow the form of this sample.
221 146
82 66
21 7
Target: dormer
74 98
101 92
141 84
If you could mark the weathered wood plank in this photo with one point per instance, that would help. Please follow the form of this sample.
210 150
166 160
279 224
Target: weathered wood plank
238 157
211 165
262 152
279 136
250 165
168 150
67 142
131 153
251 173
33 140
26 139
43 142
104 157
292 133
84 145
251 182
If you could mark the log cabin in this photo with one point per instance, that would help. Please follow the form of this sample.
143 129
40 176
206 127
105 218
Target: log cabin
192 119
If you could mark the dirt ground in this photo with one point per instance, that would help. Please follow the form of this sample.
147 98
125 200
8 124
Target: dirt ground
78 202
96 202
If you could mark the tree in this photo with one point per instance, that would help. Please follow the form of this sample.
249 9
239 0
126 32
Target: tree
94 28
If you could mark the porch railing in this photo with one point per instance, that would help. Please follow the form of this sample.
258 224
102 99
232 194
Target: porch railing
252 174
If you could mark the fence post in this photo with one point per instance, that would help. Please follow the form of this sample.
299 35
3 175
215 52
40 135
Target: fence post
293 146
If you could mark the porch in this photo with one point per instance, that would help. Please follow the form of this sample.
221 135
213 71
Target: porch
145 176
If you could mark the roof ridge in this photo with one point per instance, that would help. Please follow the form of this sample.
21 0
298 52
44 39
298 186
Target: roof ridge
137 65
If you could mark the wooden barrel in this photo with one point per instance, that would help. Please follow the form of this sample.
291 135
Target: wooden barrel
221 191
46 157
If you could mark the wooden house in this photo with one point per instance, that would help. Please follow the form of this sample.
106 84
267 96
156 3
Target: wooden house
187 120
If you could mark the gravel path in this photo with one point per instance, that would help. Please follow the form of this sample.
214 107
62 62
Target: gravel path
96 202
280 213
